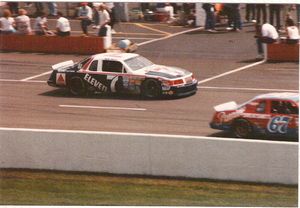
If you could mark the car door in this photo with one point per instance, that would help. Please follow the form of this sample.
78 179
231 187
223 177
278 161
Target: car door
115 72
96 80
257 113
284 118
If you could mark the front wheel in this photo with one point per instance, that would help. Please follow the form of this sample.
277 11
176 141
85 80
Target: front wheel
77 86
151 89
242 128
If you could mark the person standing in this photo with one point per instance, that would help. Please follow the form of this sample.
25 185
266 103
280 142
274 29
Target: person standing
23 23
250 12
52 6
112 15
261 9
104 21
210 19
274 10
7 23
63 27
13 7
85 14
39 7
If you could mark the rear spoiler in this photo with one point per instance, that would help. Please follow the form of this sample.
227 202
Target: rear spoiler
226 106
63 65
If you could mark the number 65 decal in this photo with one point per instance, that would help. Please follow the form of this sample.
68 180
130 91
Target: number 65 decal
278 124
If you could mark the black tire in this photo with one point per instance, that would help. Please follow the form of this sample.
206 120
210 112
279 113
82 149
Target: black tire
77 86
242 128
151 89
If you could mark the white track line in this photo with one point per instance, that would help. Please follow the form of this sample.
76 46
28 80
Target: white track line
148 135
232 71
39 75
27 81
199 87
169 36
246 89
100 107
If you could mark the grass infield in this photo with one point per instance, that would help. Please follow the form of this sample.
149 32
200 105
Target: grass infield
35 187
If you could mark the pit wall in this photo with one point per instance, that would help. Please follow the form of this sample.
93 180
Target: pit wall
54 44
155 155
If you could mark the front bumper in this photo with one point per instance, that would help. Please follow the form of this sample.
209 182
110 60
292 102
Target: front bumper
183 90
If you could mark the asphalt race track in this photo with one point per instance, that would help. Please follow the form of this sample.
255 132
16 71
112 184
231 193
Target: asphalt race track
28 102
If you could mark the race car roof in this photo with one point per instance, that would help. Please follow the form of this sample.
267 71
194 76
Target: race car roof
280 95
115 56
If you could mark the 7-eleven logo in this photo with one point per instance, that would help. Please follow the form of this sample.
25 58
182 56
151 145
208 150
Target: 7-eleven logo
61 79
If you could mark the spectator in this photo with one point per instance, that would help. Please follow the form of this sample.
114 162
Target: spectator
112 15
23 23
298 12
85 14
292 32
266 33
234 17
62 26
274 10
7 23
104 21
13 7
52 6
210 19
261 8
250 12
40 25
96 20
39 7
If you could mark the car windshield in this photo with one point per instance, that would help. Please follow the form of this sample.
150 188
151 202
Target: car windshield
138 62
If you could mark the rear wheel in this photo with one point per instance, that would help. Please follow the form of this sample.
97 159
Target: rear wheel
242 128
77 86
151 89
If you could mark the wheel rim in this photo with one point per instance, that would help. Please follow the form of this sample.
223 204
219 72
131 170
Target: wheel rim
151 89
242 129
77 86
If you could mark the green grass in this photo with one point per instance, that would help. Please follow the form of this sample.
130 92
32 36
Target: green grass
27 187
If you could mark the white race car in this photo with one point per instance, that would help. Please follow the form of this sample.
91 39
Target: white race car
122 73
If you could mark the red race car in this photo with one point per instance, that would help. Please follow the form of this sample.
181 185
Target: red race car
273 114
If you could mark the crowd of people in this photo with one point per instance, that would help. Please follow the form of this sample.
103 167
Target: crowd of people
255 13
101 15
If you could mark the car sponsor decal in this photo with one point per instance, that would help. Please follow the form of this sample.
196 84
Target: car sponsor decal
94 82
61 79
278 124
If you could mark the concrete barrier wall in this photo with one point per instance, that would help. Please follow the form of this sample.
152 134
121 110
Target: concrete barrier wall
53 44
282 52
158 155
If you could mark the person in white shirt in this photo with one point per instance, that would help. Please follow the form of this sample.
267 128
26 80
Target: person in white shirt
292 32
85 14
110 7
269 33
23 23
266 33
104 20
7 23
63 27
40 25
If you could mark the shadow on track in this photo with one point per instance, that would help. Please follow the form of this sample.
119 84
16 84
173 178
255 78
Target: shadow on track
64 93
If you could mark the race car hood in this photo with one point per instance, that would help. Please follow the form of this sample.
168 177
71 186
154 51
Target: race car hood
167 72
63 65
226 106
